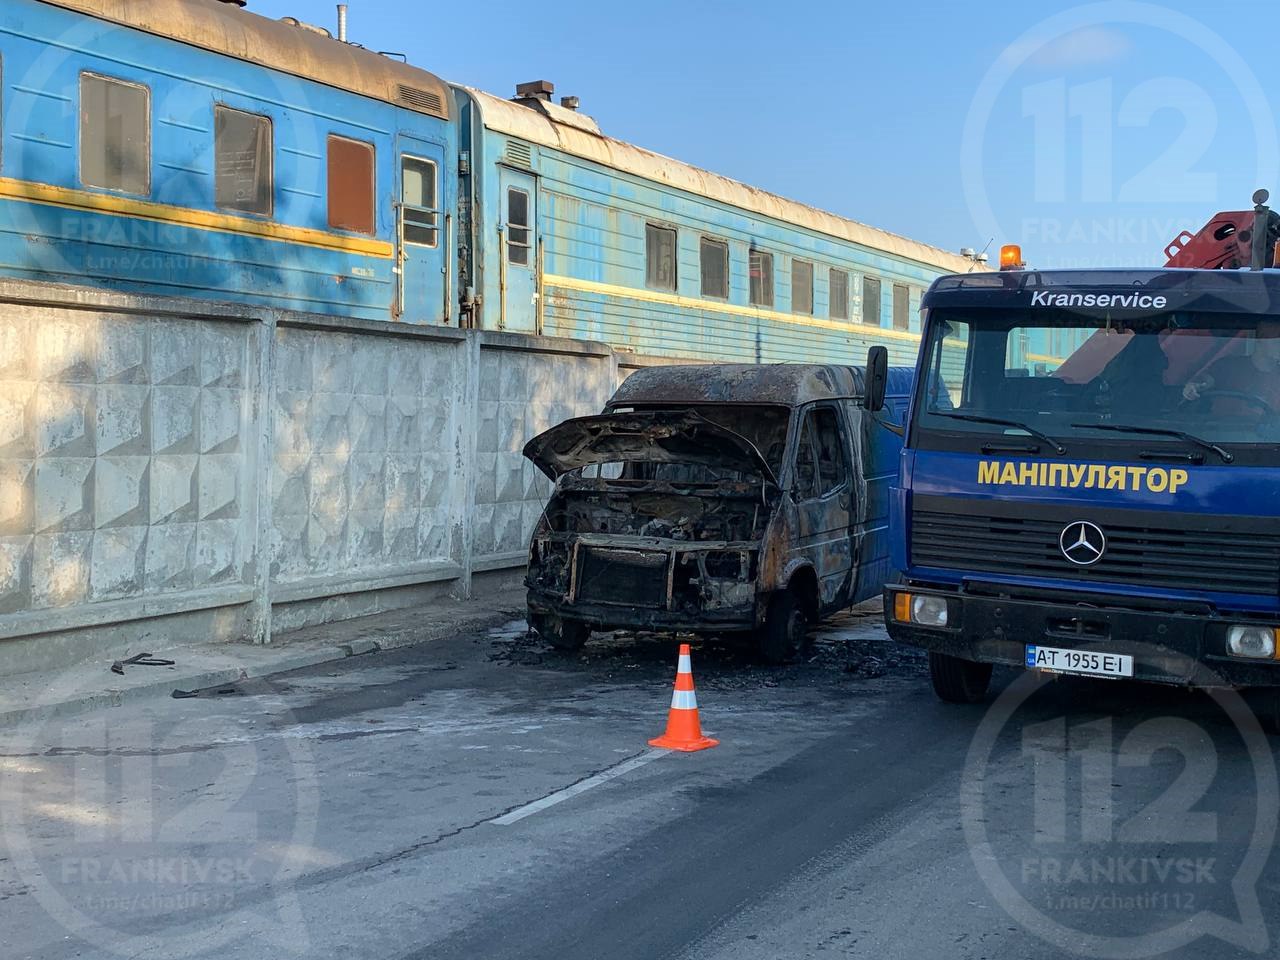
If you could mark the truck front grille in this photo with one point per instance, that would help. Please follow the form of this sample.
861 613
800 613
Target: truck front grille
631 577
1152 552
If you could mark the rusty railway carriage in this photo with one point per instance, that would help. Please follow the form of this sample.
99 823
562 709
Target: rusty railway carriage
192 148
718 499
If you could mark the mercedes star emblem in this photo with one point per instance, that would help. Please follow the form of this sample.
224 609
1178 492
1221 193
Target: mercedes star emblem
1082 542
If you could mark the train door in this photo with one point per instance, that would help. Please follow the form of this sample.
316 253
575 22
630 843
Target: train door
422 233
518 226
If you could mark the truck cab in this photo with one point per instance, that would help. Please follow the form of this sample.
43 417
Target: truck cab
1088 483
749 500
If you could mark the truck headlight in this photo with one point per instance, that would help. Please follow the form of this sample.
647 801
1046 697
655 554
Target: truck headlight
929 611
1252 641
922 610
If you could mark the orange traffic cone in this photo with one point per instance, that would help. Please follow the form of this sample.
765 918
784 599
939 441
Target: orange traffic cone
684 732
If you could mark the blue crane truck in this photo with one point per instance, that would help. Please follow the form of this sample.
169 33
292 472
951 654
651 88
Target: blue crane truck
1090 481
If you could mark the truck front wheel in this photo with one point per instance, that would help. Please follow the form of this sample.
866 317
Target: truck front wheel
958 681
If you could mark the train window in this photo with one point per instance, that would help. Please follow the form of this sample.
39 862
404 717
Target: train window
351 182
760 266
714 256
659 257
418 200
871 301
517 226
115 134
242 161
901 307
801 286
839 294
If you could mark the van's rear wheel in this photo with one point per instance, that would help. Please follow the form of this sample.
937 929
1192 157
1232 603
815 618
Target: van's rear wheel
781 637
566 635
958 681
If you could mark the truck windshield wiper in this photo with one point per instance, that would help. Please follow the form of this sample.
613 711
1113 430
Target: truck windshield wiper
1160 432
978 418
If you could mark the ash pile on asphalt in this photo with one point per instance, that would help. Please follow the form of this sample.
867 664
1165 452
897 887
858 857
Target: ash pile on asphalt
849 646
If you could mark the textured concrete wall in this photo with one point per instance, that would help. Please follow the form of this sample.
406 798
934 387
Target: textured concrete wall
367 454
172 471
126 452
525 388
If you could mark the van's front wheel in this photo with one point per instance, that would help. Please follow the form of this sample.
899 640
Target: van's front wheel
958 681
781 636
566 635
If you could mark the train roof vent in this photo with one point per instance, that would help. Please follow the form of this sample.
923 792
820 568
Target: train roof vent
422 99
519 154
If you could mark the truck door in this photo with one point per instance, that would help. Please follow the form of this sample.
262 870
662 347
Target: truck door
823 491
518 227
421 233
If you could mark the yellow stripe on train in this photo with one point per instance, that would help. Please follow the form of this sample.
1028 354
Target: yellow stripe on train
86 201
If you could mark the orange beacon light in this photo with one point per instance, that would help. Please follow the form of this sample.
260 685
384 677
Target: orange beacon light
1011 257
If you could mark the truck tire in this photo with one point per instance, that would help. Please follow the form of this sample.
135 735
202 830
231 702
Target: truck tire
565 635
782 634
958 681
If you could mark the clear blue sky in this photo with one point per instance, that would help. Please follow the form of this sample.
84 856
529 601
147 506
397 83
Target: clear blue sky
1092 140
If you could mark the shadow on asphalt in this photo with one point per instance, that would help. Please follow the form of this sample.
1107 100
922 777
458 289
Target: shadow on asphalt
1129 704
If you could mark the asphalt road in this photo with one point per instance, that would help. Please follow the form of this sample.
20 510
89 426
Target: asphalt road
350 811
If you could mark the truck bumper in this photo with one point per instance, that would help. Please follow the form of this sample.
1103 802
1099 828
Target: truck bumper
1168 644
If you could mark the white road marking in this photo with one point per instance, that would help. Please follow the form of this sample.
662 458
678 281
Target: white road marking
551 799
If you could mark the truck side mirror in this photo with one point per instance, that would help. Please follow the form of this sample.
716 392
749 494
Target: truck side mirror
876 378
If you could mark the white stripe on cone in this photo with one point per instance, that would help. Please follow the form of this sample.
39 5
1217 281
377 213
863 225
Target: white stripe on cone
684 666
684 700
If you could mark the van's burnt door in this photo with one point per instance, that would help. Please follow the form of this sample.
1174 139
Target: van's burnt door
824 492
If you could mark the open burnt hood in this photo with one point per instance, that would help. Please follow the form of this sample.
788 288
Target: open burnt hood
659 436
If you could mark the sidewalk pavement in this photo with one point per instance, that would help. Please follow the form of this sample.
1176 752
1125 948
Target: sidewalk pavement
90 684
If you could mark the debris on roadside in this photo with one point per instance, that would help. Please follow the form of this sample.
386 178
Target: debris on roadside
851 646
140 660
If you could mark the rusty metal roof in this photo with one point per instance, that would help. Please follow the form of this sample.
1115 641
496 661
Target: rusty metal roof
772 383
226 29
551 125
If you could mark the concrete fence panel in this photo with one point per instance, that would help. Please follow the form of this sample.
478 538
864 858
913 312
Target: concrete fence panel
174 471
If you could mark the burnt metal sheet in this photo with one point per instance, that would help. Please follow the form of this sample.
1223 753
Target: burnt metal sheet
226 29
653 436
788 384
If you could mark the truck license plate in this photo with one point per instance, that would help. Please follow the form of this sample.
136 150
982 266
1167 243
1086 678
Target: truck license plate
1085 662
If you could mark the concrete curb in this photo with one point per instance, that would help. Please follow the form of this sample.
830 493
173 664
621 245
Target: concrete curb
161 688
263 665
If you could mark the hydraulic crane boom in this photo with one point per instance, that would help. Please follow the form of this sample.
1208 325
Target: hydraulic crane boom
1227 241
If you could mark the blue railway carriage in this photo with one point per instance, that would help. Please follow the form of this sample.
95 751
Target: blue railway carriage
579 235
191 148
187 147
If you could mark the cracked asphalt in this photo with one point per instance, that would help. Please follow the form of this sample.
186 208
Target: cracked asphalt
348 810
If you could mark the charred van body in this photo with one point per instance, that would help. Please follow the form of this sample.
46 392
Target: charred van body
747 499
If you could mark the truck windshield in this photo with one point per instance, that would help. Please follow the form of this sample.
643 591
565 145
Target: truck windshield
1194 381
